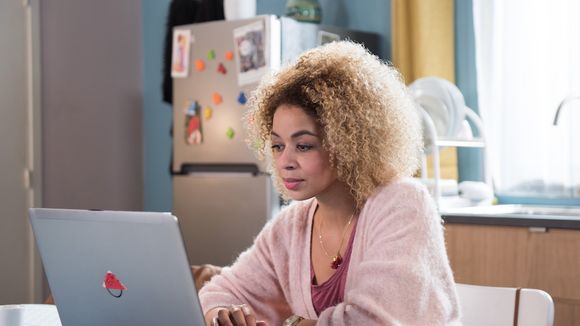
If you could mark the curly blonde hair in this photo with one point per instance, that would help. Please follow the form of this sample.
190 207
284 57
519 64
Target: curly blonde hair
369 124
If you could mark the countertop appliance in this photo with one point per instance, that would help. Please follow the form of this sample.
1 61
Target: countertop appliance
222 194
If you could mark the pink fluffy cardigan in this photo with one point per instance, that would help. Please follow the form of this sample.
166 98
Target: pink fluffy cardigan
399 272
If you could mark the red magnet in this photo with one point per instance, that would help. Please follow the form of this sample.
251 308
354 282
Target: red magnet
222 69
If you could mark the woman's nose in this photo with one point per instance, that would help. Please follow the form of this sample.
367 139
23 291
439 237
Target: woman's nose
286 160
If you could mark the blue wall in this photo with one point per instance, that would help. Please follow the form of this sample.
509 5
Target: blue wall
364 15
469 159
157 188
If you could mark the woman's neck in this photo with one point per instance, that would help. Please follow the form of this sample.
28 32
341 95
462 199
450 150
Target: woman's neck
336 205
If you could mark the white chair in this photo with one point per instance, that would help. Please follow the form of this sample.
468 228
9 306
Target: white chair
488 305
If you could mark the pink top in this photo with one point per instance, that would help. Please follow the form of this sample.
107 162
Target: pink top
331 292
398 274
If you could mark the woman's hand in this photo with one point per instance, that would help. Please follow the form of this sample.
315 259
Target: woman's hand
49 299
235 315
203 273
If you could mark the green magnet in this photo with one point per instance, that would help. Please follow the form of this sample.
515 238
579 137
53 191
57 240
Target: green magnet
211 55
230 133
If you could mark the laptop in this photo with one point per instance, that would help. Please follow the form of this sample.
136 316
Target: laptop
116 268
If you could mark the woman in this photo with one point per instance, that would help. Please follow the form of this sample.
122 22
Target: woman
362 244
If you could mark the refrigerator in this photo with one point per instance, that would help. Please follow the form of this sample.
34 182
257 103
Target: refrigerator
222 194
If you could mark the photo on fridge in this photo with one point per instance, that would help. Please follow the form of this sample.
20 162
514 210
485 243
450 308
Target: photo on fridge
180 53
251 54
193 133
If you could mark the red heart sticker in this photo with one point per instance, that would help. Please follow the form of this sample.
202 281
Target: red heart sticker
111 282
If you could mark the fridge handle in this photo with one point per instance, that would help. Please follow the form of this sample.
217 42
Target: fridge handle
218 168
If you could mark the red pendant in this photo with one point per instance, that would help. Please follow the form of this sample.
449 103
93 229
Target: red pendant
336 261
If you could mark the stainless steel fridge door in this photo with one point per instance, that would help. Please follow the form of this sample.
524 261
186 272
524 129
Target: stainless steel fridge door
220 214
218 92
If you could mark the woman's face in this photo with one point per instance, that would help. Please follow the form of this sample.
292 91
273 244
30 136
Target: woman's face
299 158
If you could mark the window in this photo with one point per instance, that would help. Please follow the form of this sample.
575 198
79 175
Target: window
528 61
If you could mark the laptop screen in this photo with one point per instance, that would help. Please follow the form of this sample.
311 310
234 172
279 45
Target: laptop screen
116 268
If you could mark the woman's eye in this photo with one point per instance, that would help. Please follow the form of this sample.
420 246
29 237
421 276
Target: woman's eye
277 148
303 148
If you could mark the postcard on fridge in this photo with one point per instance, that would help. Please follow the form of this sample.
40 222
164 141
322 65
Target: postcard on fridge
180 53
251 55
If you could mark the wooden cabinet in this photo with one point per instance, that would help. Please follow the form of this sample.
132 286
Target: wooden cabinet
520 257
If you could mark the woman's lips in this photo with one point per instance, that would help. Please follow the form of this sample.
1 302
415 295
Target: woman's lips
292 184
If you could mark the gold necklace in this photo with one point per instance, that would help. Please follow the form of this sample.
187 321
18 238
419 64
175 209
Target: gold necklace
336 260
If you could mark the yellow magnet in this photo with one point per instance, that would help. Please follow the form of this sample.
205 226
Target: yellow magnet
207 113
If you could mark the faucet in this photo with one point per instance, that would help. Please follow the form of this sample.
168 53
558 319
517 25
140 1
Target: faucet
562 104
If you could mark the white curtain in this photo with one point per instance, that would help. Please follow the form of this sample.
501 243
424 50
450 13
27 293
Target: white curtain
528 61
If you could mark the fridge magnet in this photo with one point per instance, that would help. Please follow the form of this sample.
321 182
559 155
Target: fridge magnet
199 65
207 113
180 53
210 55
230 133
229 55
216 98
193 124
242 98
326 37
250 52
222 69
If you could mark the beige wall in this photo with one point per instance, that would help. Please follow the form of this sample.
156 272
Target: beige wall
15 266
83 113
92 103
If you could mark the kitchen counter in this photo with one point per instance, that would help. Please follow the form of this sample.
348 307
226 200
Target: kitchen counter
561 217
519 246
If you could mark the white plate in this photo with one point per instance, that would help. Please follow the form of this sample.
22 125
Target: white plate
443 101
436 110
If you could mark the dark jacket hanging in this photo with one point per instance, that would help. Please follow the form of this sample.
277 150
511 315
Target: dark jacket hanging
183 12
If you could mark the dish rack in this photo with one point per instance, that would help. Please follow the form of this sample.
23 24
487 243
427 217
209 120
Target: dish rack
437 142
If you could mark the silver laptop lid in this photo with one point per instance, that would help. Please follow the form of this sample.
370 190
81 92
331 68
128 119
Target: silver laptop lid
116 268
